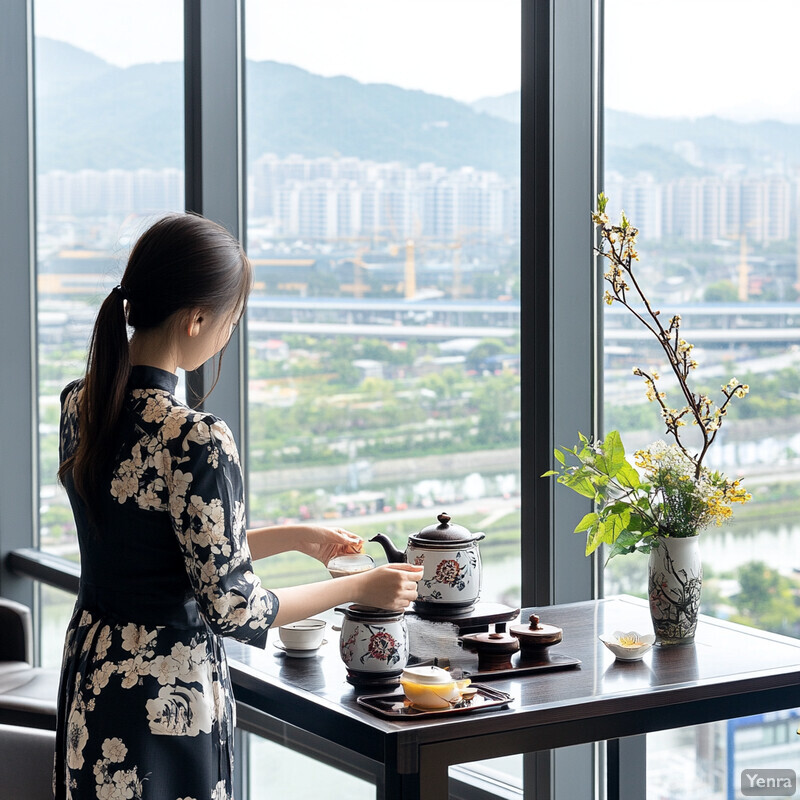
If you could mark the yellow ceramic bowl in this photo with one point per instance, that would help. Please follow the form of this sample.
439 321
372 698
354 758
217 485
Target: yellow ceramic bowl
431 687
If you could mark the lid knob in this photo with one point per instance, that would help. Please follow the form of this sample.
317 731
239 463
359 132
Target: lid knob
534 620
443 530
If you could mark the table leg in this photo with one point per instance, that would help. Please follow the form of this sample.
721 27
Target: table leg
626 768
431 782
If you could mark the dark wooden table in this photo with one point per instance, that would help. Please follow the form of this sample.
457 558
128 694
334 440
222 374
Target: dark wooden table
730 671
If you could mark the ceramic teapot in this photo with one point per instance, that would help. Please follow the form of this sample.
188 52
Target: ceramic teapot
451 579
373 644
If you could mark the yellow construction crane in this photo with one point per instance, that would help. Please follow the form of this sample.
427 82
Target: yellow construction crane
357 287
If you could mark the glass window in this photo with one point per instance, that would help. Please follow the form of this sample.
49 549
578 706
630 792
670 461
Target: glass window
701 153
384 229
383 222
109 156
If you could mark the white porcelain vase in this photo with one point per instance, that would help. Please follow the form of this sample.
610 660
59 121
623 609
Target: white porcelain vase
675 578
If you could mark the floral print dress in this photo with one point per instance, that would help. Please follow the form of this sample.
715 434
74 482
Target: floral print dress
145 707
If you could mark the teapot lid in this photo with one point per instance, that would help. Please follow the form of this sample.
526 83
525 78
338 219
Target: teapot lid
356 611
427 675
445 531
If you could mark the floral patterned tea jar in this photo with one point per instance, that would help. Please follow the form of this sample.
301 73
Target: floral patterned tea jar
451 580
373 644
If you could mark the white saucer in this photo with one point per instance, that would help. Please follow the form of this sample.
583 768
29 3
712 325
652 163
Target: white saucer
636 645
298 653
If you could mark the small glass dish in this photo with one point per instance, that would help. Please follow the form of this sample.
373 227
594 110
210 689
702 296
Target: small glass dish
628 646
350 564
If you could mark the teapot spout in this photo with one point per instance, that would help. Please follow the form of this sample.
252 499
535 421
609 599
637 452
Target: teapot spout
393 555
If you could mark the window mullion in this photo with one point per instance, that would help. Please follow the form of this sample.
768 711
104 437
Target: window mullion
19 507
214 100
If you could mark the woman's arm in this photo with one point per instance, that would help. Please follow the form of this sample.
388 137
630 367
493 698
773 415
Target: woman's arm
314 540
391 586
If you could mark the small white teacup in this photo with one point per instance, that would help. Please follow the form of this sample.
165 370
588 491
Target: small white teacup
306 634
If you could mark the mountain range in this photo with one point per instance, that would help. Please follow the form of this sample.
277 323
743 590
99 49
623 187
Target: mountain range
91 114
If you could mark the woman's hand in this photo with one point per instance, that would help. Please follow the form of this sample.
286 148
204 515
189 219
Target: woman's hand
324 543
391 586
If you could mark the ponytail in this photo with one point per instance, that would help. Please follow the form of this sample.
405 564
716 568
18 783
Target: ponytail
107 372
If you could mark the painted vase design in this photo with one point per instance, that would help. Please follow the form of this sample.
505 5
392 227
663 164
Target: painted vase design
675 579
453 578
382 646
373 640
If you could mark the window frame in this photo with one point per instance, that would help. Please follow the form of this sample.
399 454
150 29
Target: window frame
19 505
560 173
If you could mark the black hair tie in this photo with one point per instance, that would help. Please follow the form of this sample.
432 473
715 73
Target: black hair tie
121 291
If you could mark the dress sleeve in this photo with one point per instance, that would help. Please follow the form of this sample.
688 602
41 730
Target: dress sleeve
68 424
206 503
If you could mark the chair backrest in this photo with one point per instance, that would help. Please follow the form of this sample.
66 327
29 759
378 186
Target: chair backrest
26 763
16 638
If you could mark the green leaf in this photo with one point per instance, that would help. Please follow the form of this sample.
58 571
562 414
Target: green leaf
620 507
627 476
613 454
616 523
549 473
581 485
587 522
625 543
595 539
559 456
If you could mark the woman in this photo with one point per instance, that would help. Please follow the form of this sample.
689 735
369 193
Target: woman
145 704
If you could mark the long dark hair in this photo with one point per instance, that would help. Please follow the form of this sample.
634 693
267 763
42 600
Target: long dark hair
182 262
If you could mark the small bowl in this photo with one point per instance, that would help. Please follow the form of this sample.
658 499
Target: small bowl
628 646
306 634
433 687
350 564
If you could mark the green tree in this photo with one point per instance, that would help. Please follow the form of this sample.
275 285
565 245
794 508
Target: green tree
766 599
721 292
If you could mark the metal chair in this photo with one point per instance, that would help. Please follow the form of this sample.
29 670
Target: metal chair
28 694
26 763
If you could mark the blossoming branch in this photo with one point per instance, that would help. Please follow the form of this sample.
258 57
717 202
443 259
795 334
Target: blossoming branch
618 246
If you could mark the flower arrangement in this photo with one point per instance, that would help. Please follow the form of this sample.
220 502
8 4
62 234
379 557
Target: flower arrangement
672 493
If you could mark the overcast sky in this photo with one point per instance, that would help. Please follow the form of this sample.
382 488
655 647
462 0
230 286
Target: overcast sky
735 58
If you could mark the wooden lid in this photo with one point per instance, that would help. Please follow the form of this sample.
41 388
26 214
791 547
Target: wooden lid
491 642
535 633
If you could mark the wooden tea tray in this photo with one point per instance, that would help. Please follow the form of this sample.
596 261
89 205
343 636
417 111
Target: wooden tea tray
466 666
519 667
395 706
